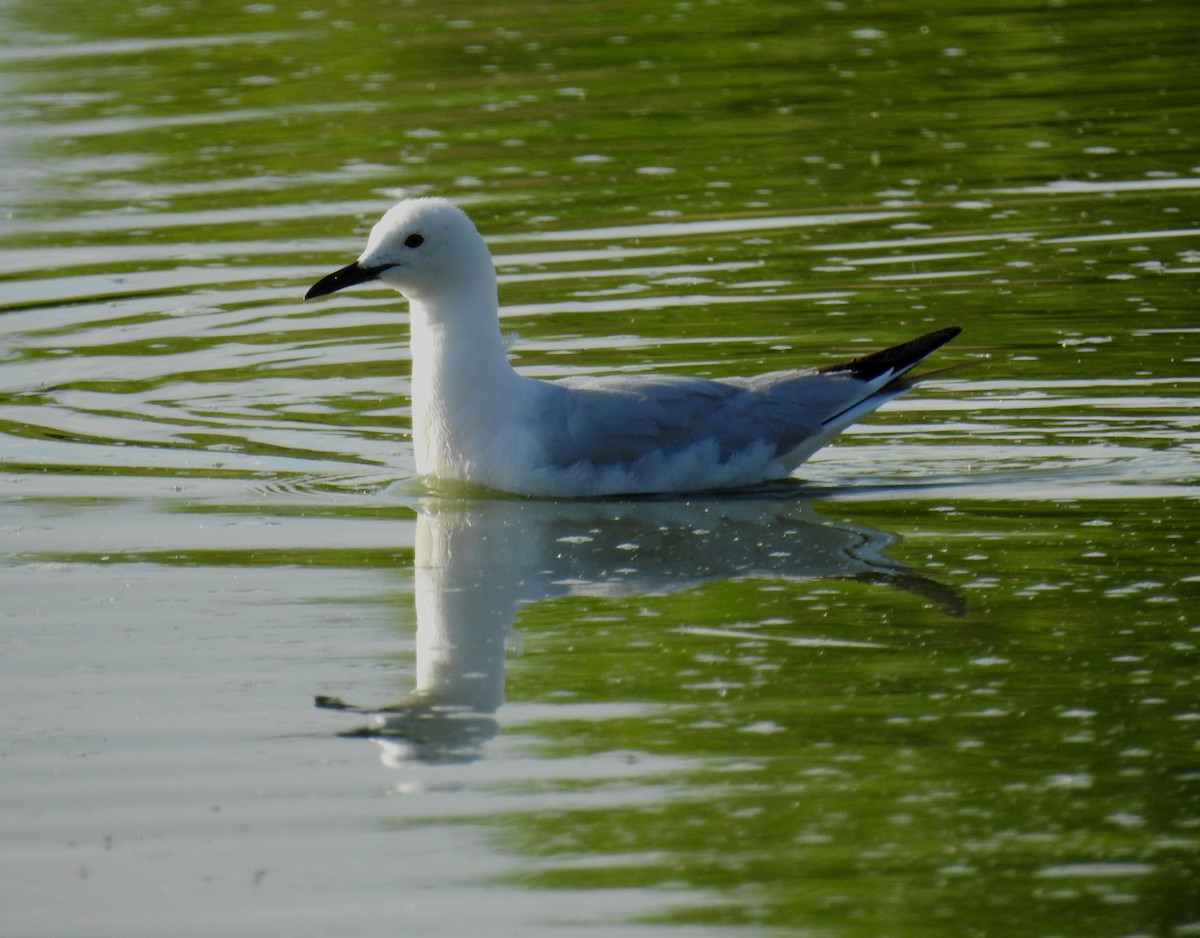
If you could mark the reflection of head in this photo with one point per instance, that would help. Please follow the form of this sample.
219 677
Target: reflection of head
420 728
430 733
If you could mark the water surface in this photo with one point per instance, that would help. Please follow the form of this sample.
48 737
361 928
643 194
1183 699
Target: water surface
943 684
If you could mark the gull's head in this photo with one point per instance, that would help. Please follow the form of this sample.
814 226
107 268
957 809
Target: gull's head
421 247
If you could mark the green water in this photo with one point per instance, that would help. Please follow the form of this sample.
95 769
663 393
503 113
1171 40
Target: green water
944 685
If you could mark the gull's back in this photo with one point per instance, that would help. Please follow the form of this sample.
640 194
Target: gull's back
635 433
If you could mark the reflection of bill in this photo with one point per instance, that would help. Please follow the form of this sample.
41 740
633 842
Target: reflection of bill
478 561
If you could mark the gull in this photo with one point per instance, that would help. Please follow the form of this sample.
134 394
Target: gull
478 423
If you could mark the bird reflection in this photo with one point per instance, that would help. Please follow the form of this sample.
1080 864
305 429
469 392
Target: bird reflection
478 561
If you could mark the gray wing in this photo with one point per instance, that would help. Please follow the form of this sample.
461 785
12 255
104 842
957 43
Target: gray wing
617 419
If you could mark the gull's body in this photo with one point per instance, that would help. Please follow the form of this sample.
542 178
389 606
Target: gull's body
477 421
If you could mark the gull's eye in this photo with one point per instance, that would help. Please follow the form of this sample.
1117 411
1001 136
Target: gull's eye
414 241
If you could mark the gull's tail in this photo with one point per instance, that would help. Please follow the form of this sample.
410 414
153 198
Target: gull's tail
884 373
891 363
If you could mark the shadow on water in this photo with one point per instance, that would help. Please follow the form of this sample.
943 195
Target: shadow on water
478 561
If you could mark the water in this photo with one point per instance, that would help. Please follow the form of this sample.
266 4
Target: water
945 684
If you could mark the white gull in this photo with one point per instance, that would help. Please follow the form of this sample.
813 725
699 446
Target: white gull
477 421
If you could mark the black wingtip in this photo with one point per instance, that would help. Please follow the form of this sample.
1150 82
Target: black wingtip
895 360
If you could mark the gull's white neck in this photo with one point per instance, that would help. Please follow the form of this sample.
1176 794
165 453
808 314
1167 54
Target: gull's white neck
462 383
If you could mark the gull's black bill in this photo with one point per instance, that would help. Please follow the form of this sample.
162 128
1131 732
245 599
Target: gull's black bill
348 276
